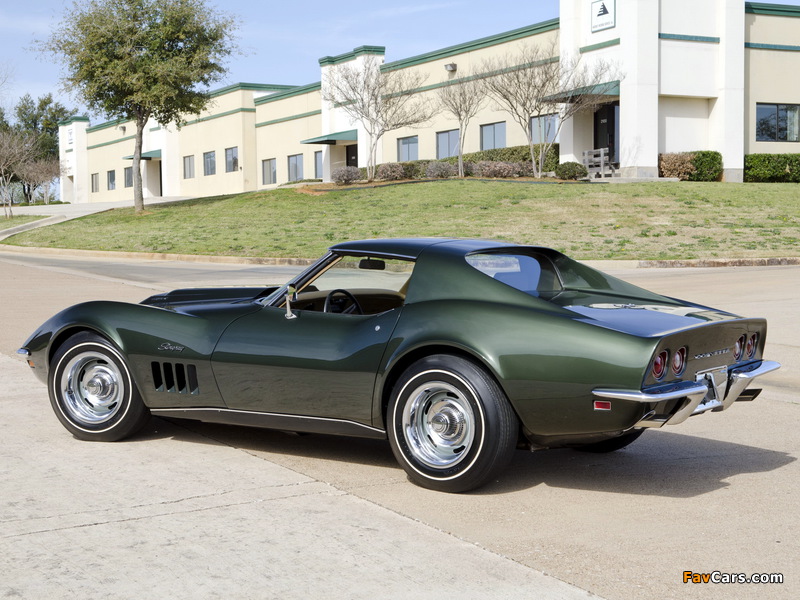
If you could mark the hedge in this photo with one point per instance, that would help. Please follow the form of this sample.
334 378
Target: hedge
703 165
772 168
519 155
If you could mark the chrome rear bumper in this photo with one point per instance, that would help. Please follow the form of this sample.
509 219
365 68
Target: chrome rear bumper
715 389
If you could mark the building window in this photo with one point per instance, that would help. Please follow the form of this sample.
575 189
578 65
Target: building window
111 180
231 159
95 182
543 129
447 143
268 171
296 167
128 177
408 148
493 136
318 164
209 163
777 123
188 167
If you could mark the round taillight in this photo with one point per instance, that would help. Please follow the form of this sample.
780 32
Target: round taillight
738 348
660 364
750 348
679 361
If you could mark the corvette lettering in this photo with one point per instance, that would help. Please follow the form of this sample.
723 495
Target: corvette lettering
167 347
714 353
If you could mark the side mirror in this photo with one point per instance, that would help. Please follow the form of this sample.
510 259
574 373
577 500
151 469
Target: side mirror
372 264
291 294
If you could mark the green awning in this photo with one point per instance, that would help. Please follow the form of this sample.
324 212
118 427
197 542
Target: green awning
610 88
332 138
149 155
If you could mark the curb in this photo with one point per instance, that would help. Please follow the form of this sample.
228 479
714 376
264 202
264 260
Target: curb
719 262
199 258
302 262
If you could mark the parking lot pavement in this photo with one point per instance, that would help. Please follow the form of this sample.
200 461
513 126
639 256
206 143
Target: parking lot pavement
200 510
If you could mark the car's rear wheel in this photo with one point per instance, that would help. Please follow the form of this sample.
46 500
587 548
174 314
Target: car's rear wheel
450 425
92 391
613 444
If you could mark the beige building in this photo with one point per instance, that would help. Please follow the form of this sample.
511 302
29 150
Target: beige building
712 75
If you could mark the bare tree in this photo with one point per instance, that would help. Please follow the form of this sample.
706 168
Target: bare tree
462 98
535 82
380 100
16 149
39 173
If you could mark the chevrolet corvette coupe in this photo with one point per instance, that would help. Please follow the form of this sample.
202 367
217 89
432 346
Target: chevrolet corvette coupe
457 351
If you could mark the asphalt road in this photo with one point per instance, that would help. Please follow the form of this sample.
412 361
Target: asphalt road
189 510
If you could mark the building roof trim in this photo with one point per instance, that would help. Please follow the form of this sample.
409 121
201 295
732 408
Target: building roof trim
72 120
295 91
478 44
249 87
775 10
352 55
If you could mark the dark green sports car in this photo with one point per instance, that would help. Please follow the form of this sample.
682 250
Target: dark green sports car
458 351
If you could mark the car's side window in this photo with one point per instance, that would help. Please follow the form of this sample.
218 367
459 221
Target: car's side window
533 274
357 285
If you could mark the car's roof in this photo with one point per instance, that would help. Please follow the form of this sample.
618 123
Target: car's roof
413 247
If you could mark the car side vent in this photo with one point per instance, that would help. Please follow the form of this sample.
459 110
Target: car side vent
175 378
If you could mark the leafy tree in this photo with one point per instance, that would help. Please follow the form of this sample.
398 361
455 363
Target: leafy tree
140 59
41 118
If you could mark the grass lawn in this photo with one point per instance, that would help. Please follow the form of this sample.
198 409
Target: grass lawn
18 220
624 221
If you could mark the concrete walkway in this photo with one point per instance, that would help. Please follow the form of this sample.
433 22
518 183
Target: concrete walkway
56 213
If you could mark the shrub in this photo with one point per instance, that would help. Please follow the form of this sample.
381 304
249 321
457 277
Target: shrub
676 164
514 154
414 169
440 170
345 175
772 168
707 165
488 168
571 171
391 171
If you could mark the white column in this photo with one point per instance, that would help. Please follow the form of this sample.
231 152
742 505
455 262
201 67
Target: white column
638 144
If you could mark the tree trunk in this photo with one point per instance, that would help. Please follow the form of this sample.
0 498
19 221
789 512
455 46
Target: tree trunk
138 197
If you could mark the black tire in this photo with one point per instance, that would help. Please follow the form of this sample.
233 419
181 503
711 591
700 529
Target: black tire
450 425
613 444
92 391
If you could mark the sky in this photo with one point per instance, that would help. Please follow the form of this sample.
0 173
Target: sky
283 41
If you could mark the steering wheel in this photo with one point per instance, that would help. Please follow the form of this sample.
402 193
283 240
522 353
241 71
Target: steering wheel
354 305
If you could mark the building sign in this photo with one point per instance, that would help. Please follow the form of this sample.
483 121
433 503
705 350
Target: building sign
604 14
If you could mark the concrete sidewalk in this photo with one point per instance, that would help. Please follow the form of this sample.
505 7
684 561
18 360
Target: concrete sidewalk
57 213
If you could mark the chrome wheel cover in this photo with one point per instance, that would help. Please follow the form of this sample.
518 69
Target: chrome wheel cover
438 425
92 388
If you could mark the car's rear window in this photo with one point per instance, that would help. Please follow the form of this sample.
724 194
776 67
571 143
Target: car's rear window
530 273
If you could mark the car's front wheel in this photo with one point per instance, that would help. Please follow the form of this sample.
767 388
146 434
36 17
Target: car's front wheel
450 425
92 391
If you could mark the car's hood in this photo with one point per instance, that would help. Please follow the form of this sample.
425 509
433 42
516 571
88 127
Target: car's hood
200 300
638 316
